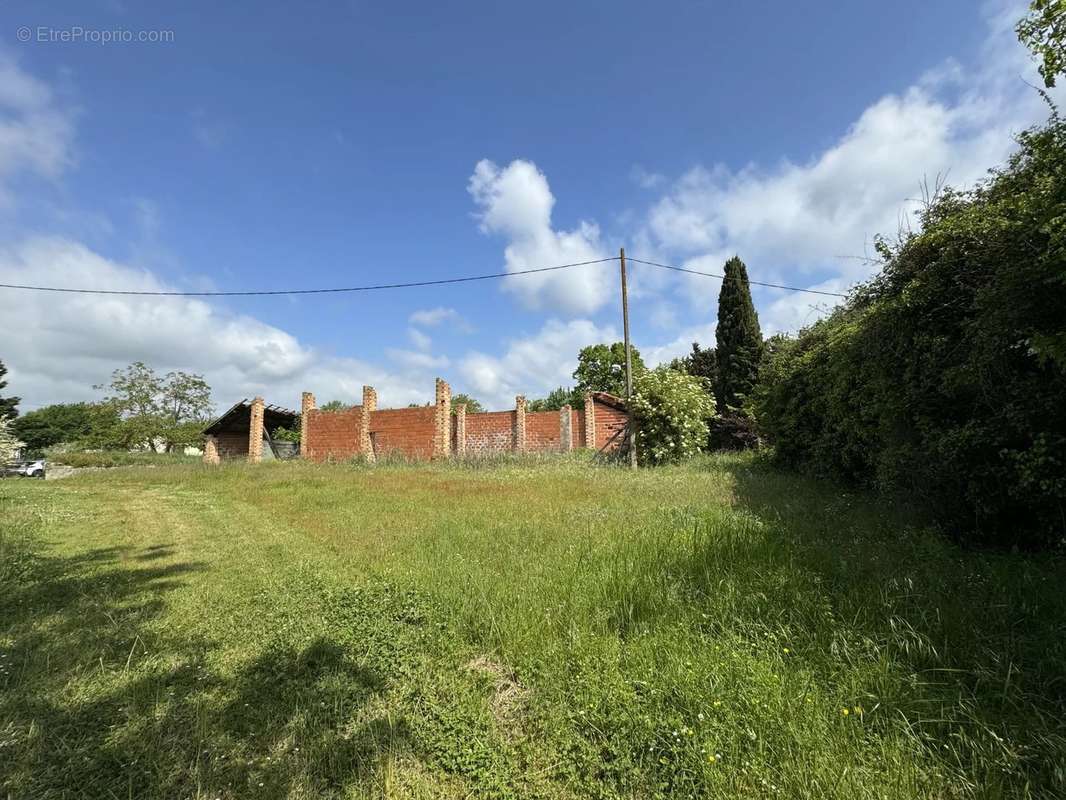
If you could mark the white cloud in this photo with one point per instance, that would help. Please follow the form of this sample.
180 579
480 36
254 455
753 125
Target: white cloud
415 360
431 317
420 340
533 365
795 222
516 202
663 315
35 133
57 346
679 346
645 179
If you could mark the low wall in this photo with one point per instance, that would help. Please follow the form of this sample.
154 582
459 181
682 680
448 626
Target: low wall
434 431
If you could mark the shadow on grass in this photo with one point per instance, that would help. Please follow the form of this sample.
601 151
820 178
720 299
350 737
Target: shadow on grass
961 650
98 698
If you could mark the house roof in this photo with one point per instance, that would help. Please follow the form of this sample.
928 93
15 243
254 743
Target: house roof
239 419
609 399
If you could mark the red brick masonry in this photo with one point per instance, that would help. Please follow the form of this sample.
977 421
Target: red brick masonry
434 431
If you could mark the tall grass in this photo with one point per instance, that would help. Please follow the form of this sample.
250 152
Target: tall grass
517 629
119 458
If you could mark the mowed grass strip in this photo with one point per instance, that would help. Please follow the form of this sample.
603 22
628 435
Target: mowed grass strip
552 629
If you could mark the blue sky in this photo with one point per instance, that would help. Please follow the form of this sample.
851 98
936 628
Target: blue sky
310 145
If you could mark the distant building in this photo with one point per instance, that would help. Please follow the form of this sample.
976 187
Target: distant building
230 436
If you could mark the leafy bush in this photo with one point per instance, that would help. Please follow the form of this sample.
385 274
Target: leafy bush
117 458
283 434
945 377
672 410
733 432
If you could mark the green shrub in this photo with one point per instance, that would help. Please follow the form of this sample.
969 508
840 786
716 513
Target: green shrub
672 410
117 458
283 434
945 377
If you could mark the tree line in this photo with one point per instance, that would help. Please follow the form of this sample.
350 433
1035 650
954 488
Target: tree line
141 410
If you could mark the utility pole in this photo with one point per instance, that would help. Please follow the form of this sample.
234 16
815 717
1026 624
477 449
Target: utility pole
629 364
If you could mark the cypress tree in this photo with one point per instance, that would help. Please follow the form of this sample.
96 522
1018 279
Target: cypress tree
739 340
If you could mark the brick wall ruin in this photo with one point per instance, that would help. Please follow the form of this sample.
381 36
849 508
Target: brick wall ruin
434 431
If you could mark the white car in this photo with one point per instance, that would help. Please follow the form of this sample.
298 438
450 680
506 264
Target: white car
27 469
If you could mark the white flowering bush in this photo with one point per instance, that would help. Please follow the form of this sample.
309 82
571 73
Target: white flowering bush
8 442
672 410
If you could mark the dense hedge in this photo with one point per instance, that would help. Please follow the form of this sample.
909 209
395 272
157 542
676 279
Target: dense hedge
945 377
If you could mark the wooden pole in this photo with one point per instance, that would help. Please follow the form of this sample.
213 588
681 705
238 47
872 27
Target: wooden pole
629 363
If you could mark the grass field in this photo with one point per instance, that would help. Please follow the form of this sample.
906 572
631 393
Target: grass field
525 630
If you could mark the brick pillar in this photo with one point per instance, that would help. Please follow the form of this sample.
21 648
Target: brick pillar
566 431
460 429
590 422
520 424
442 440
370 405
307 405
211 450
255 432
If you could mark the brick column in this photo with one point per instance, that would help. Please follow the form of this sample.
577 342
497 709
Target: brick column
590 422
460 429
520 424
370 405
211 450
255 432
442 439
566 431
307 405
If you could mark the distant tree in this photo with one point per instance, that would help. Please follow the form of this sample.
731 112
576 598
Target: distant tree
185 406
66 422
8 405
335 405
171 409
134 393
700 363
1043 31
556 399
739 340
473 406
602 368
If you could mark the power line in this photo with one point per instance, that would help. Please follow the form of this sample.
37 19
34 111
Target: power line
305 291
408 285
722 277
